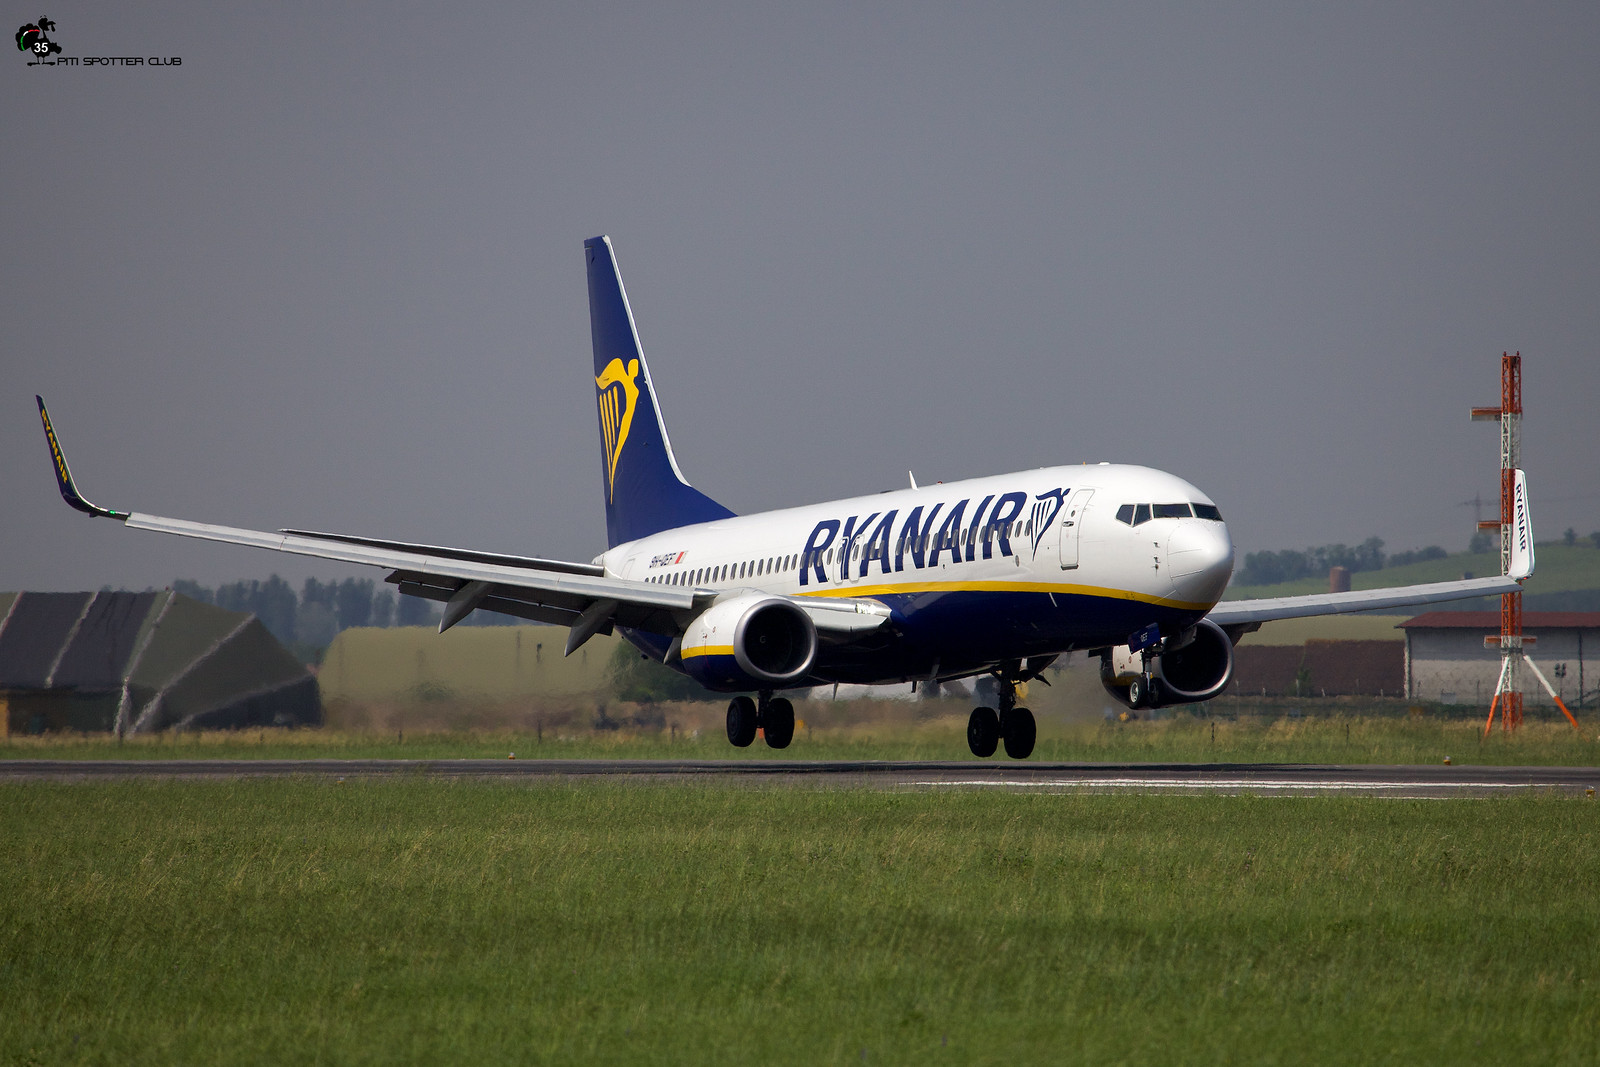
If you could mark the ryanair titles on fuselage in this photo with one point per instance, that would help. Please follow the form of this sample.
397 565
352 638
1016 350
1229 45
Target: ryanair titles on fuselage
925 535
917 538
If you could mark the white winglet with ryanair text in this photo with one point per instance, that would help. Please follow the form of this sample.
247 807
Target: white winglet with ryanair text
1521 529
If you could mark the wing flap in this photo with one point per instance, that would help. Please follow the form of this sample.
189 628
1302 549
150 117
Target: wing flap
548 606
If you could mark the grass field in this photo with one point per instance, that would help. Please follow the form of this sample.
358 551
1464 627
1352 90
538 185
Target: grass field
427 921
897 732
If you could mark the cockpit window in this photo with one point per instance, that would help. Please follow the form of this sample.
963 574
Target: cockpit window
1138 514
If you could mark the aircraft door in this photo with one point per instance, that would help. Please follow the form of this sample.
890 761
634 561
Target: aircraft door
1072 526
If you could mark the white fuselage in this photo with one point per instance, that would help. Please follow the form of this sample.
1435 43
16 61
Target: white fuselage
1055 530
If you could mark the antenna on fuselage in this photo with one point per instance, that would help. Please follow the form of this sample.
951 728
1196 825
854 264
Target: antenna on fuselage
913 478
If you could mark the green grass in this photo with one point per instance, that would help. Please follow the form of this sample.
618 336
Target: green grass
424 921
1345 737
1559 569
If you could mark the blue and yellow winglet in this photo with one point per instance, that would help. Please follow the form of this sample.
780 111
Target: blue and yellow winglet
69 490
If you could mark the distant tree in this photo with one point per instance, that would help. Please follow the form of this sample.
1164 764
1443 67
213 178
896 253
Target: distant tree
316 623
416 611
1270 568
1369 555
383 609
355 602
237 596
1416 555
1569 537
272 601
1287 565
276 607
644 681
1594 539
1482 541
194 590
324 593
315 626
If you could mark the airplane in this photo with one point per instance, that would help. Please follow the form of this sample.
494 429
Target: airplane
992 576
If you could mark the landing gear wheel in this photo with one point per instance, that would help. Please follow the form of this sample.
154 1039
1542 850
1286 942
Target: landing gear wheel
1019 730
777 723
983 732
741 721
1138 692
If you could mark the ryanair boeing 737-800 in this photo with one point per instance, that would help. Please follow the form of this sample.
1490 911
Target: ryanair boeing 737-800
997 575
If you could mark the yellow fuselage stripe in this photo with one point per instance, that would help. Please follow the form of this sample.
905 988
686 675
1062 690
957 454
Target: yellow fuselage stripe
1001 587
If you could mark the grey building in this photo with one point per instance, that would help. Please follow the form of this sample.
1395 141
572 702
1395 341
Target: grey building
134 663
1446 660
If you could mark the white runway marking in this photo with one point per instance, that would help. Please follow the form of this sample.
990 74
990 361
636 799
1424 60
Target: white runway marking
1423 790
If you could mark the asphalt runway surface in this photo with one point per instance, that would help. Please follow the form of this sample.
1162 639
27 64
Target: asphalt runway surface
1266 779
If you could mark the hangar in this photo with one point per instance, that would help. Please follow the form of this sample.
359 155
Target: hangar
130 663
1447 662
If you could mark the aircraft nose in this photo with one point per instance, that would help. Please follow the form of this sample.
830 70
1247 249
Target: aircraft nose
1200 560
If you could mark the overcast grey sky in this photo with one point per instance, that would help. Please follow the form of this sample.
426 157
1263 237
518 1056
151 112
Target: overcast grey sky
328 272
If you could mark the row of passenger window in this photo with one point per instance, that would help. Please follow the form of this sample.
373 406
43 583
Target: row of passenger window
726 572
732 572
1134 514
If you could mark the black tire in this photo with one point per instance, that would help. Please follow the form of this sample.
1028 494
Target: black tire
1020 732
1137 693
777 723
983 732
1155 695
741 722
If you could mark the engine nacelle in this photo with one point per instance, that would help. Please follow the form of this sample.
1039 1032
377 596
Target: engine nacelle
1197 670
750 642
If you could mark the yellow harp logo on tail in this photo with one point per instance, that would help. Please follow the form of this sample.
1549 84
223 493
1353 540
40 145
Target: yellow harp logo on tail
618 395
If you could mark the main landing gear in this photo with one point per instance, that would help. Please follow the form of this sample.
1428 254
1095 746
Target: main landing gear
1013 725
774 717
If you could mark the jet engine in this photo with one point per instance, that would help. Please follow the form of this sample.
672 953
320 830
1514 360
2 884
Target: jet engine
749 642
1196 667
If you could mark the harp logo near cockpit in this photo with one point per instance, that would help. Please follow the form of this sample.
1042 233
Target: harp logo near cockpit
618 396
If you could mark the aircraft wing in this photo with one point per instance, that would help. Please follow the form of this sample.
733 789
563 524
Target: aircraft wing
578 595
1250 614
1237 612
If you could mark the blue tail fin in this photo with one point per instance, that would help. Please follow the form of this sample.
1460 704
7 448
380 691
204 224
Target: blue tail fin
645 491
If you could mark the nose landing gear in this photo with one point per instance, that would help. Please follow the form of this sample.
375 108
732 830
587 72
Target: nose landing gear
1013 725
774 717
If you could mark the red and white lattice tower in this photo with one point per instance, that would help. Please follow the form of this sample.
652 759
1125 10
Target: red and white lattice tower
1511 642
1508 691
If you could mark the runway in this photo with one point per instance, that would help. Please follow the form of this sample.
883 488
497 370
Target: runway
1265 779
